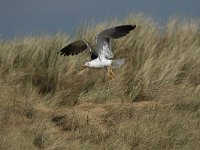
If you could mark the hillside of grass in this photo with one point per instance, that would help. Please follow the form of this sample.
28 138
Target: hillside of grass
48 102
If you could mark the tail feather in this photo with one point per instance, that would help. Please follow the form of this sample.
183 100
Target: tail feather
117 63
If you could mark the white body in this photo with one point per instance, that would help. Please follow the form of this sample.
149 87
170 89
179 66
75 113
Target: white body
100 63
104 54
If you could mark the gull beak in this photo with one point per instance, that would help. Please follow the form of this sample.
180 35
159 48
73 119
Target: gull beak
84 66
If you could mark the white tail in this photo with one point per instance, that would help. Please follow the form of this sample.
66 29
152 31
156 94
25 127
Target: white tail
117 63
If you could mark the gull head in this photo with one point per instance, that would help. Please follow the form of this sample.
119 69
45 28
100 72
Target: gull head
86 65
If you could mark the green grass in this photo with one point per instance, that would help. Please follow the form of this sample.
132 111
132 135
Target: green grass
48 102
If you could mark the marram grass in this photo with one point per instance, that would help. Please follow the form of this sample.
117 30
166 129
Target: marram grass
48 102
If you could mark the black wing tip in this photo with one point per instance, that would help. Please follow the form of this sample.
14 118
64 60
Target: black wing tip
133 26
127 27
130 26
124 29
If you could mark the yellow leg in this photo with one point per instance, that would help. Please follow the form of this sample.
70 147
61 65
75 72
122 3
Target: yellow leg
110 73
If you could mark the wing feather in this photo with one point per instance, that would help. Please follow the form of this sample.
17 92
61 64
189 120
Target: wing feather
117 32
74 48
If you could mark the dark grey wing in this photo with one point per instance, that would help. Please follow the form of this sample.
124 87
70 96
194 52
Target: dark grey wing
74 48
117 32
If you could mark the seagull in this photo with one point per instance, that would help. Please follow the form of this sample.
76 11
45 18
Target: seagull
102 56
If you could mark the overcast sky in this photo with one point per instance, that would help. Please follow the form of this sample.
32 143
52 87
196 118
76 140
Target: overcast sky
50 16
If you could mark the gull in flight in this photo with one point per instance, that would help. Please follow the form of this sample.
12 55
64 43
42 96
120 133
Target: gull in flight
102 56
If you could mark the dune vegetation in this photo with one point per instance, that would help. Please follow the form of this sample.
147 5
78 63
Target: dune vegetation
48 102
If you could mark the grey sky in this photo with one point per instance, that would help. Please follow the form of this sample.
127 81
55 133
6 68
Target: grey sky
49 16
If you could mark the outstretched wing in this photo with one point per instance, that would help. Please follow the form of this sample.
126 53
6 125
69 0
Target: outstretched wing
117 32
75 48
103 39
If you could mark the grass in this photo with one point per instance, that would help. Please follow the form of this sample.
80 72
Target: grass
48 102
